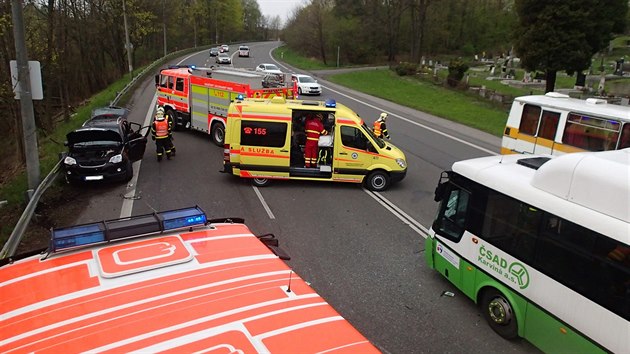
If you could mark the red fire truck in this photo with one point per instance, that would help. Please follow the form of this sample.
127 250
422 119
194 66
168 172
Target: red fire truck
198 98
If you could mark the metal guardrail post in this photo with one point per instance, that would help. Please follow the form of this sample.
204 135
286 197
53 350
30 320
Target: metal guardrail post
16 235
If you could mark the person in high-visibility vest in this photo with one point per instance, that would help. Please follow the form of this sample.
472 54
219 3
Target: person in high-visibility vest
161 134
314 128
380 130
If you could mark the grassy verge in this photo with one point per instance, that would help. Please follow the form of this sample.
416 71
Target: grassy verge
424 96
285 54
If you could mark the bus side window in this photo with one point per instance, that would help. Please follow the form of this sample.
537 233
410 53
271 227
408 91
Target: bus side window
624 142
549 125
529 120
511 225
451 220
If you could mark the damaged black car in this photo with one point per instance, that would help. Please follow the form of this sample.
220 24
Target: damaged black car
103 149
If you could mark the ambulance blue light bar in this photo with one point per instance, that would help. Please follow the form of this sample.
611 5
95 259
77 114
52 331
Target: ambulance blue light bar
330 103
240 97
134 226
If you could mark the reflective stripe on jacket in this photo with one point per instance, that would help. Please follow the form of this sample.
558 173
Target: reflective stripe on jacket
314 128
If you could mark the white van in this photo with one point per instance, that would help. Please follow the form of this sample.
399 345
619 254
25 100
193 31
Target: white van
243 51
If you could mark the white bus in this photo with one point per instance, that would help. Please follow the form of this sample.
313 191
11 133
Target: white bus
542 245
556 124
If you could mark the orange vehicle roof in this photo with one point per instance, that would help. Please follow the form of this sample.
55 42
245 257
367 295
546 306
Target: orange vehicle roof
217 289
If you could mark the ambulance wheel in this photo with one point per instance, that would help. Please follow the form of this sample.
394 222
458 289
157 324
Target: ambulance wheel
217 132
499 314
261 182
377 181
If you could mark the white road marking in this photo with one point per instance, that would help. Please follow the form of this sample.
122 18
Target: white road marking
127 205
404 217
262 201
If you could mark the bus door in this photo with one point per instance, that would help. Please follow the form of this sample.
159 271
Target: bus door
265 148
547 130
354 156
537 130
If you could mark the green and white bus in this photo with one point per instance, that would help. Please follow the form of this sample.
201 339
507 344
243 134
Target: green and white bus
542 245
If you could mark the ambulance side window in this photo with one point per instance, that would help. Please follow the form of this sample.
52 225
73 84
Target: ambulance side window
353 137
270 134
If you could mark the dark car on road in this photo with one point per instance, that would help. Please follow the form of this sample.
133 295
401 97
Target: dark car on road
104 148
214 51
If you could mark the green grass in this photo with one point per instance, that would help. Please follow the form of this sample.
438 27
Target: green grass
292 58
427 97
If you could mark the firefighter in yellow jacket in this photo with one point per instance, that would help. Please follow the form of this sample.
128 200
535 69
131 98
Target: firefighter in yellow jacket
380 130
161 132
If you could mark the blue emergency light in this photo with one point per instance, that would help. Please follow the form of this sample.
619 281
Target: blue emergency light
240 97
176 219
134 226
330 103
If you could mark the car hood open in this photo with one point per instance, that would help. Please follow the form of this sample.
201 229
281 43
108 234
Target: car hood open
92 135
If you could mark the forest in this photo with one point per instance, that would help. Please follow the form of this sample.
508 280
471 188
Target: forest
81 43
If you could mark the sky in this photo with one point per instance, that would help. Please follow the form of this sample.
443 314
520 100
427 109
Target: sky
282 8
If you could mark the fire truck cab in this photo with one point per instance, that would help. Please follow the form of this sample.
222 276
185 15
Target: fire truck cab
198 98
170 281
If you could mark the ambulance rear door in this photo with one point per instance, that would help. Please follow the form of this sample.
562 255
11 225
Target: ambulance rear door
354 153
265 146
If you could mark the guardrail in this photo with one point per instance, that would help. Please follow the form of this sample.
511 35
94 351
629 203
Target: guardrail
9 248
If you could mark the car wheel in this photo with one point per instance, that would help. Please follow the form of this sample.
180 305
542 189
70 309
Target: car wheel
217 132
261 182
499 314
377 181
299 91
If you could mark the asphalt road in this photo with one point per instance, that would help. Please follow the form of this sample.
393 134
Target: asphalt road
362 251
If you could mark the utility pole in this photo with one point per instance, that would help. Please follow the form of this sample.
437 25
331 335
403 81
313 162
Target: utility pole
29 130
128 45
164 25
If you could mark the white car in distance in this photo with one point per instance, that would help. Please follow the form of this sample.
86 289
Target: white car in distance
306 85
268 69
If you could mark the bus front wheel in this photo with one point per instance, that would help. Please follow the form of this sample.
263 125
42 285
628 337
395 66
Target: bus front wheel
499 314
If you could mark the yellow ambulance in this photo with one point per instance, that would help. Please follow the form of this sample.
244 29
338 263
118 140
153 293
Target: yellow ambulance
265 140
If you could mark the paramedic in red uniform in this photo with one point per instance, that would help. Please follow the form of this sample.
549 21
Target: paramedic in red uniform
161 133
314 128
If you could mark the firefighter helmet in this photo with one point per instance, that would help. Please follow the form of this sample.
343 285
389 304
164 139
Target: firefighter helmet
383 117
159 115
